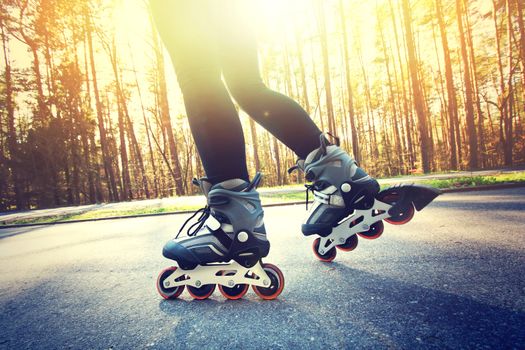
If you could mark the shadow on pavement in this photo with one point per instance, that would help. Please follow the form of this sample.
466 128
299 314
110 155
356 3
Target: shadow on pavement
18 231
368 310
338 308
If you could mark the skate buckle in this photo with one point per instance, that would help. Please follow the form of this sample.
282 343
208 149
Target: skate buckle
346 187
242 236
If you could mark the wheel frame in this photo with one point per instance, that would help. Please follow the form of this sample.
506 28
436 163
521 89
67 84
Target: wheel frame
269 268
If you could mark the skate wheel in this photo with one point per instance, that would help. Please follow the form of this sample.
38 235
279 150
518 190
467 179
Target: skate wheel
276 283
375 231
202 292
349 245
326 257
168 293
235 292
404 216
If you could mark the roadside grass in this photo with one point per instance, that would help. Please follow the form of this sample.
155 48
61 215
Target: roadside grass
96 214
471 181
285 194
40 220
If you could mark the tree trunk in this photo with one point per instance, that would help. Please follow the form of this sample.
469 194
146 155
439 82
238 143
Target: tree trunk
93 169
417 96
351 112
502 100
473 65
391 97
136 149
127 193
469 107
373 149
302 73
509 137
256 160
326 68
277 159
521 26
20 201
108 168
452 108
406 112
165 115
146 126
317 94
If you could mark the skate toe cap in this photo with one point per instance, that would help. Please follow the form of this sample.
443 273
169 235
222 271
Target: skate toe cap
316 229
176 251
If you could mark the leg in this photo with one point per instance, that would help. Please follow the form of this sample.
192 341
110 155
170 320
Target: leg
230 229
184 27
280 115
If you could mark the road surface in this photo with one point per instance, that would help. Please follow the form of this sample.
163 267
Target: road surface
454 277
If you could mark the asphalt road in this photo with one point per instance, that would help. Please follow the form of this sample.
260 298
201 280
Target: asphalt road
454 277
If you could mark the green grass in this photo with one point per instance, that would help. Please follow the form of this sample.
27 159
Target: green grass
110 213
285 194
40 220
293 196
470 181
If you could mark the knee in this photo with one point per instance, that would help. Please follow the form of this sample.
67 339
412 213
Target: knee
197 81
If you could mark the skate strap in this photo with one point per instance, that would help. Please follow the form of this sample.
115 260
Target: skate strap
330 199
212 223
324 198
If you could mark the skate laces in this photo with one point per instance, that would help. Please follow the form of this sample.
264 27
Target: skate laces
205 213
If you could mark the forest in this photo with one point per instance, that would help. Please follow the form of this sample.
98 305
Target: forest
90 110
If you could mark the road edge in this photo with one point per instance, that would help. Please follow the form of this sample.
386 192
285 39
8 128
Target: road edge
445 190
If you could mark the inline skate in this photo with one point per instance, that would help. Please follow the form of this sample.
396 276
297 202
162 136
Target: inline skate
348 202
223 247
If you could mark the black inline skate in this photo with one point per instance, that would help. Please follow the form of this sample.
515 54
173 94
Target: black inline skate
348 203
223 247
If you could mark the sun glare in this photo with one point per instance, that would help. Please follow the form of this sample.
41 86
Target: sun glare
131 17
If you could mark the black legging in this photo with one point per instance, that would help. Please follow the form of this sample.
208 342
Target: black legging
208 39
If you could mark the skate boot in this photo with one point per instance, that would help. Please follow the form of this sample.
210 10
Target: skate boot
223 247
347 201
